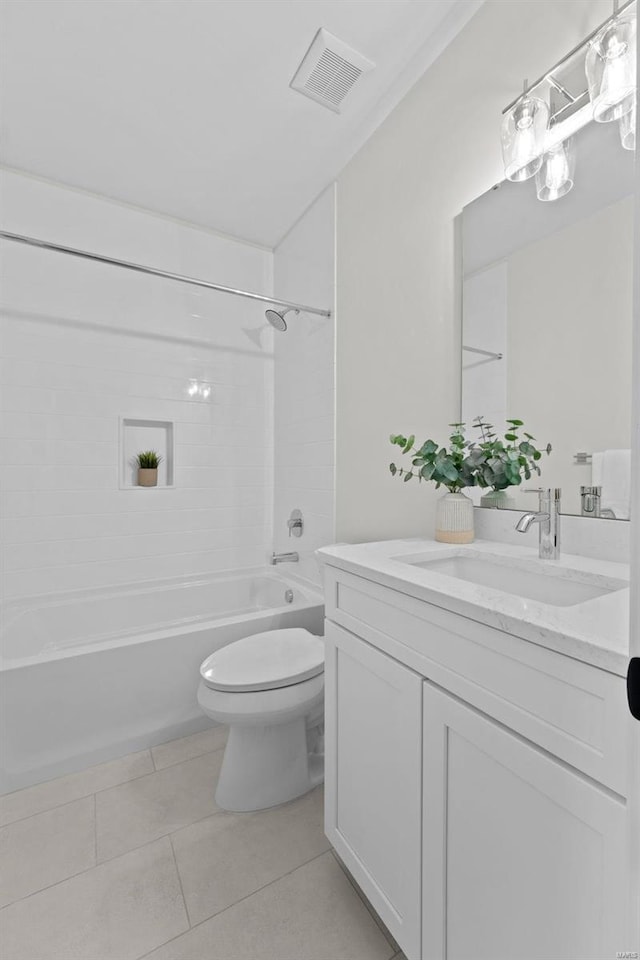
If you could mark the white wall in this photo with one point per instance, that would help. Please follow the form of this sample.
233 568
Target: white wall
304 271
85 344
398 339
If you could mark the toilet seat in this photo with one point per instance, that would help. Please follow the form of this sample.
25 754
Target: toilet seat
265 661
264 707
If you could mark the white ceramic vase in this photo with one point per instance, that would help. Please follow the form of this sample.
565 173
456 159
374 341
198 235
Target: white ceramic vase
498 499
454 519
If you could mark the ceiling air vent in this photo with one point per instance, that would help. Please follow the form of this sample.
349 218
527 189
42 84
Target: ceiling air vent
329 70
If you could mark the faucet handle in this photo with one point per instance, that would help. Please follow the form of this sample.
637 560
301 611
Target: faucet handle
541 494
295 523
548 493
546 497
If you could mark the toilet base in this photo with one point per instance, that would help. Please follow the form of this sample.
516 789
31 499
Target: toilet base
265 766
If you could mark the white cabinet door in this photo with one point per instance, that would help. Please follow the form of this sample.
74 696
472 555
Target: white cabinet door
373 773
523 858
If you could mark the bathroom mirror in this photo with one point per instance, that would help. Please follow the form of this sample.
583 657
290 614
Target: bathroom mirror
546 332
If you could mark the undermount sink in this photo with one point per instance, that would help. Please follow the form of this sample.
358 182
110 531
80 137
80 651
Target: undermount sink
559 587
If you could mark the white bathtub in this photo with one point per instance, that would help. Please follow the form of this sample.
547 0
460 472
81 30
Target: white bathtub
88 677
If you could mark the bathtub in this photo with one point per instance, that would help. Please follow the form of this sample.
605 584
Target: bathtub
88 677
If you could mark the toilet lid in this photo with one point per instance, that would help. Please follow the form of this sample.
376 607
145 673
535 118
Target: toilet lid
265 661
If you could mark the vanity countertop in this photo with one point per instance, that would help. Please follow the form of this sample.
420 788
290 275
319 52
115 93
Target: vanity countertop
595 631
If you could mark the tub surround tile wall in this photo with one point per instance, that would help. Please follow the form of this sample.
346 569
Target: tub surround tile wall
84 345
304 271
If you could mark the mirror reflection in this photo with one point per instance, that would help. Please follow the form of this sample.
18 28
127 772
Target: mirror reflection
546 339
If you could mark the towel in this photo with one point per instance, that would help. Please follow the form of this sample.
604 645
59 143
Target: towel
611 470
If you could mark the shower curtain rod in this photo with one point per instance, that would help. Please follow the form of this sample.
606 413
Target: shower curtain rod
151 271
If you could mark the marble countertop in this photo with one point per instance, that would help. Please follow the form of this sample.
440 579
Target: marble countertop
595 631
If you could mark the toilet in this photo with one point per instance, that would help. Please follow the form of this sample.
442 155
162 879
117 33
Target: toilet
269 689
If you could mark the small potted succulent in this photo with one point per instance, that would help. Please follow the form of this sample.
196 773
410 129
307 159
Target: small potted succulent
505 461
147 463
454 468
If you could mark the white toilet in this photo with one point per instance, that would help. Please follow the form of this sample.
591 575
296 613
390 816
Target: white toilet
269 689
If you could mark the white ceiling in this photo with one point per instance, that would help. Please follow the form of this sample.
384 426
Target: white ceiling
184 107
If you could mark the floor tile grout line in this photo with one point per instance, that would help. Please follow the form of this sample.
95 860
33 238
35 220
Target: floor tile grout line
179 876
99 863
80 873
49 886
193 823
241 900
124 756
147 843
150 773
185 826
167 766
163 836
91 793
40 813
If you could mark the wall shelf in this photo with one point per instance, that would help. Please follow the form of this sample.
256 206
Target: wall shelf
142 434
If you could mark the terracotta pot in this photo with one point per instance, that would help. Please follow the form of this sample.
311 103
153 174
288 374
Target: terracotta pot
454 519
147 476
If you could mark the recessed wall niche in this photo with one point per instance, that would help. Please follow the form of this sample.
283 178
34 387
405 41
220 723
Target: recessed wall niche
138 435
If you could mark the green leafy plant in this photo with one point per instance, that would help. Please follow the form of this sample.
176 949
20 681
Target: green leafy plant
453 468
493 461
506 460
148 460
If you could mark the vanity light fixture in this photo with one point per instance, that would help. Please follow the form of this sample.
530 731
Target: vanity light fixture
610 66
523 134
594 81
554 179
627 125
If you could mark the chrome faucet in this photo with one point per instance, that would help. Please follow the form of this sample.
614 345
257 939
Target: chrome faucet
591 501
285 557
548 519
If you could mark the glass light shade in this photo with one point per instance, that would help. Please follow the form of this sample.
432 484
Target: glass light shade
523 133
628 129
610 66
555 177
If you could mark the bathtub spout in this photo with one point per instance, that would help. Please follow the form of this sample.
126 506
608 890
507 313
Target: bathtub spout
291 557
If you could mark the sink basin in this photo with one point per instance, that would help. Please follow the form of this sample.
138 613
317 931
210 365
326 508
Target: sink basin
559 587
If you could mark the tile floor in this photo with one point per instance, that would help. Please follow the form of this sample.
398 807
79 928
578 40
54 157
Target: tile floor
132 859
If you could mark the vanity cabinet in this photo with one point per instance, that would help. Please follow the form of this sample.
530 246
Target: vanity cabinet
523 858
373 726
474 782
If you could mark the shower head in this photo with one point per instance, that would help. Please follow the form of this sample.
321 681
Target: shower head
277 318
